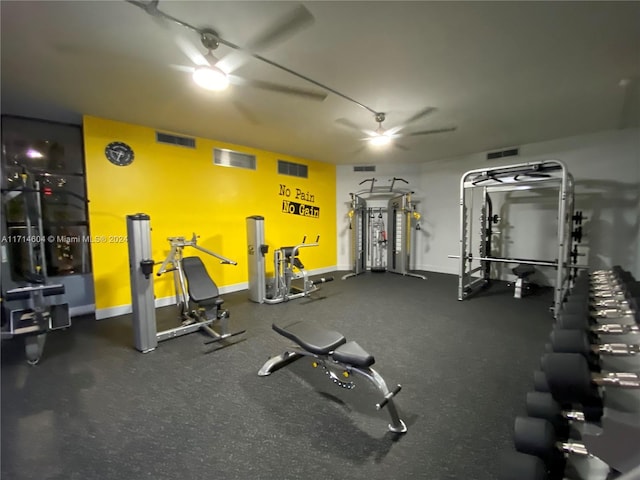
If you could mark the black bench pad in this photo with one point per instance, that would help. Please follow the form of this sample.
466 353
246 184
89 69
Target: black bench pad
202 289
353 354
523 271
311 337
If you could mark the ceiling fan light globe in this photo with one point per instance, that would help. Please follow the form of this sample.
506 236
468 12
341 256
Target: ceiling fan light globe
380 140
210 78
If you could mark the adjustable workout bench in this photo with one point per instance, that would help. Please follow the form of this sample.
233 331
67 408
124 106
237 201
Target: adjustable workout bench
331 350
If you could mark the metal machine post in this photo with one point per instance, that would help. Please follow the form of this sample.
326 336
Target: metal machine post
358 237
140 271
398 261
256 259
400 212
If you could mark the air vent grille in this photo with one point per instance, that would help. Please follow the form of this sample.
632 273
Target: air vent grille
293 169
364 168
230 158
175 140
511 152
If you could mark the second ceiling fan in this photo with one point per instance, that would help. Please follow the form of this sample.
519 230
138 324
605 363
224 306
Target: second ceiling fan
381 136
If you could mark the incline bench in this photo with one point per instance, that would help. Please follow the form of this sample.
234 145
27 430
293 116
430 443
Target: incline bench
331 349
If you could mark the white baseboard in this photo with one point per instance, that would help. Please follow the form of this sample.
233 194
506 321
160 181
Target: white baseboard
81 310
452 270
110 312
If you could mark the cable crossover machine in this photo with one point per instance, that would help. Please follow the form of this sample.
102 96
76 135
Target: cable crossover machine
373 247
474 271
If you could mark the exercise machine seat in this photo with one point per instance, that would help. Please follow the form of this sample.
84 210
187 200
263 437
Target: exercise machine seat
202 289
312 338
523 271
288 251
353 354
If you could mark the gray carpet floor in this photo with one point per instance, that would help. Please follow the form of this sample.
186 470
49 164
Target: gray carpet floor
94 408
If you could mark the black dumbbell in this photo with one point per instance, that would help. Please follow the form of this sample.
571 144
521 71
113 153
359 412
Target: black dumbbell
537 437
583 322
577 341
542 405
619 297
629 308
571 381
606 297
540 383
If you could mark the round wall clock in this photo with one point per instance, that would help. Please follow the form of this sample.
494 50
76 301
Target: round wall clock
119 153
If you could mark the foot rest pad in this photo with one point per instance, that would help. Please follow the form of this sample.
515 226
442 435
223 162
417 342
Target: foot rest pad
353 354
312 338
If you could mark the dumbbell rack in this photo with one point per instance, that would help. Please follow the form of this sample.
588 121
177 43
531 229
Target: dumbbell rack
474 270
583 419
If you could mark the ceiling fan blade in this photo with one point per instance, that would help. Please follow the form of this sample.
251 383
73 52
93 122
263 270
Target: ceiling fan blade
182 68
400 146
414 118
345 122
429 132
191 51
274 87
420 114
286 26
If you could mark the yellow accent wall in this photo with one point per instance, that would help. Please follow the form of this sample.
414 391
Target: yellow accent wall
183 191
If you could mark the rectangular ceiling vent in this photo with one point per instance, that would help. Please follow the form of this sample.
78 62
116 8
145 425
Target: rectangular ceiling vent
230 158
175 140
293 169
364 168
511 152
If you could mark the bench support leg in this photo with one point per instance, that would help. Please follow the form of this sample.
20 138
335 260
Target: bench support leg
274 363
517 293
396 425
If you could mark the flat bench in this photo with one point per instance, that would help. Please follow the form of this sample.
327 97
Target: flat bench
331 350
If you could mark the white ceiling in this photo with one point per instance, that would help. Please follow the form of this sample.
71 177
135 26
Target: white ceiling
504 73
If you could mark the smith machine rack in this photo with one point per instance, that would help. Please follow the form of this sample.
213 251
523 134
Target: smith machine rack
474 271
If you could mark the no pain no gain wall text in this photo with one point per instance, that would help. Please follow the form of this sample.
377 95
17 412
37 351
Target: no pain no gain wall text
296 208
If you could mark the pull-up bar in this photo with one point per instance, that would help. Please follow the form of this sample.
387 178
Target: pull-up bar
522 261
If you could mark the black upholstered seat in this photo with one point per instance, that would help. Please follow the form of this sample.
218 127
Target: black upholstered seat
523 271
353 354
311 337
202 289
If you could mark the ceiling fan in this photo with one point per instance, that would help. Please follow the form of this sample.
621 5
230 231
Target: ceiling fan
212 73
381 136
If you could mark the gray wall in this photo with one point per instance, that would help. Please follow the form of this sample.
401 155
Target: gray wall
606 169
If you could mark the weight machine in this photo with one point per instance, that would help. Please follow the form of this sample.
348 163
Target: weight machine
475 271
290 278
193 286
31 306
372 247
